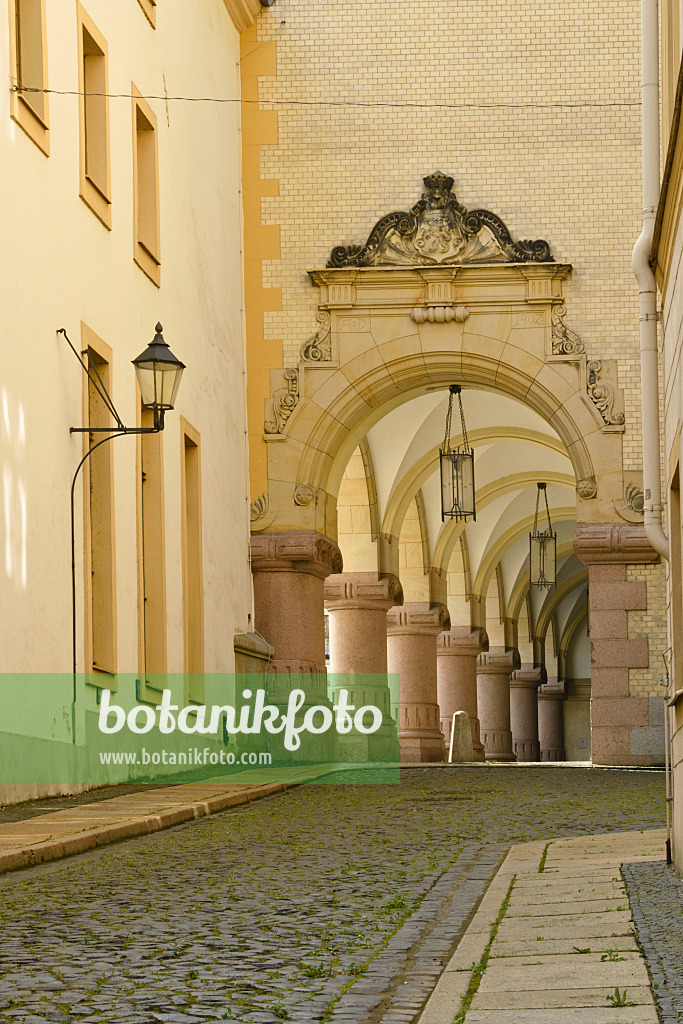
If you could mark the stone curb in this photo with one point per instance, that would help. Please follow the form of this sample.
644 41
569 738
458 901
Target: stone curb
82 842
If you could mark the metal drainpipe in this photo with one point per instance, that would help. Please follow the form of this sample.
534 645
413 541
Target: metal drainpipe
649 385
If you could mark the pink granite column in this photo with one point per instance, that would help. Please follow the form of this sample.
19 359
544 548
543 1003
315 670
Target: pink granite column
411 647
357 603
616 717
289 568
550 721
456 670
494 669
524 684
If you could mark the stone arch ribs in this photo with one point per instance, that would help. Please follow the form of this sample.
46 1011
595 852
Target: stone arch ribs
380 357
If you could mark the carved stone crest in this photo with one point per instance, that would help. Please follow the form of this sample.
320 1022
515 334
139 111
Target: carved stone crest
439 230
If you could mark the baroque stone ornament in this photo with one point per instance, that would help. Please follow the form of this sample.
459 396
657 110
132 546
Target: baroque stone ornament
285 400
303 495
259 508
439 230
587 488
602 394
318 348
566 342
634 499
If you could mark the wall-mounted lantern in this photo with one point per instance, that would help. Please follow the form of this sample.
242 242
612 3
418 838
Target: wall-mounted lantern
542 547
457 469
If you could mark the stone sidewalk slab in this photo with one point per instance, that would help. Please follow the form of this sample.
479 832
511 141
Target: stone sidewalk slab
501 976
557 999
86 827
574 1015
532 966
551 947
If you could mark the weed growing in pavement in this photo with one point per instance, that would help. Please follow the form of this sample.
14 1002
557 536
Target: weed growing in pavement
619 999
612 956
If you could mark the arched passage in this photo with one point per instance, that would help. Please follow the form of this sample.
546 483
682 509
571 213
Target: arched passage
382 360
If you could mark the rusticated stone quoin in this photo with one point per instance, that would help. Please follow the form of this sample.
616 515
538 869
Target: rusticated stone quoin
524 684
456 666
607 549
357 603
411 643
494 669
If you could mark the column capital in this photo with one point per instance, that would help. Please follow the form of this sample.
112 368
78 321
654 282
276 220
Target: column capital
528 676
613 542
366 591
498 661
418 617
552 690
304 551
462 641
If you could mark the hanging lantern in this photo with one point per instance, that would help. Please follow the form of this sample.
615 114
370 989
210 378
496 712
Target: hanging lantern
542 548
457 469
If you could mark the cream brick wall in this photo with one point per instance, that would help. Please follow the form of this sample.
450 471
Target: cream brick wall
570 174
644 682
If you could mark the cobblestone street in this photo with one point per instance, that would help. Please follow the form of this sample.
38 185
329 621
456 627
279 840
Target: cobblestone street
289 908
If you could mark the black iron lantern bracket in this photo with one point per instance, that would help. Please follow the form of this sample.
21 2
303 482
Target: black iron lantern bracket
119 430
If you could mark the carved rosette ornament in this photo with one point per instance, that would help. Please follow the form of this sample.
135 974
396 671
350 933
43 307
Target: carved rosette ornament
318 348
438 230
602 395
303 495
587 488
566 342
285 401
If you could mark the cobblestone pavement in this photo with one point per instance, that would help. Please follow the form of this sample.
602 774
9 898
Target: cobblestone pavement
327 902
656 896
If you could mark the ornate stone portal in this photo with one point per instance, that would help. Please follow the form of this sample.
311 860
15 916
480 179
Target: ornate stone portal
438 294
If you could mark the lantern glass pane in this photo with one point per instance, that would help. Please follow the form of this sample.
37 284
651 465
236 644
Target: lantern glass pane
542 559
457 485
464 482
146 380
447 485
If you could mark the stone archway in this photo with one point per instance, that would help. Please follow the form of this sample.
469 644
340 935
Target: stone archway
490 315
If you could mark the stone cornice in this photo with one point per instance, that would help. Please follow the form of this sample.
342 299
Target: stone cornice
363 590
418 617
462 641
295 551
596 543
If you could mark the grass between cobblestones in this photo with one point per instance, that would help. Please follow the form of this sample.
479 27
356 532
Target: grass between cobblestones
271 911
